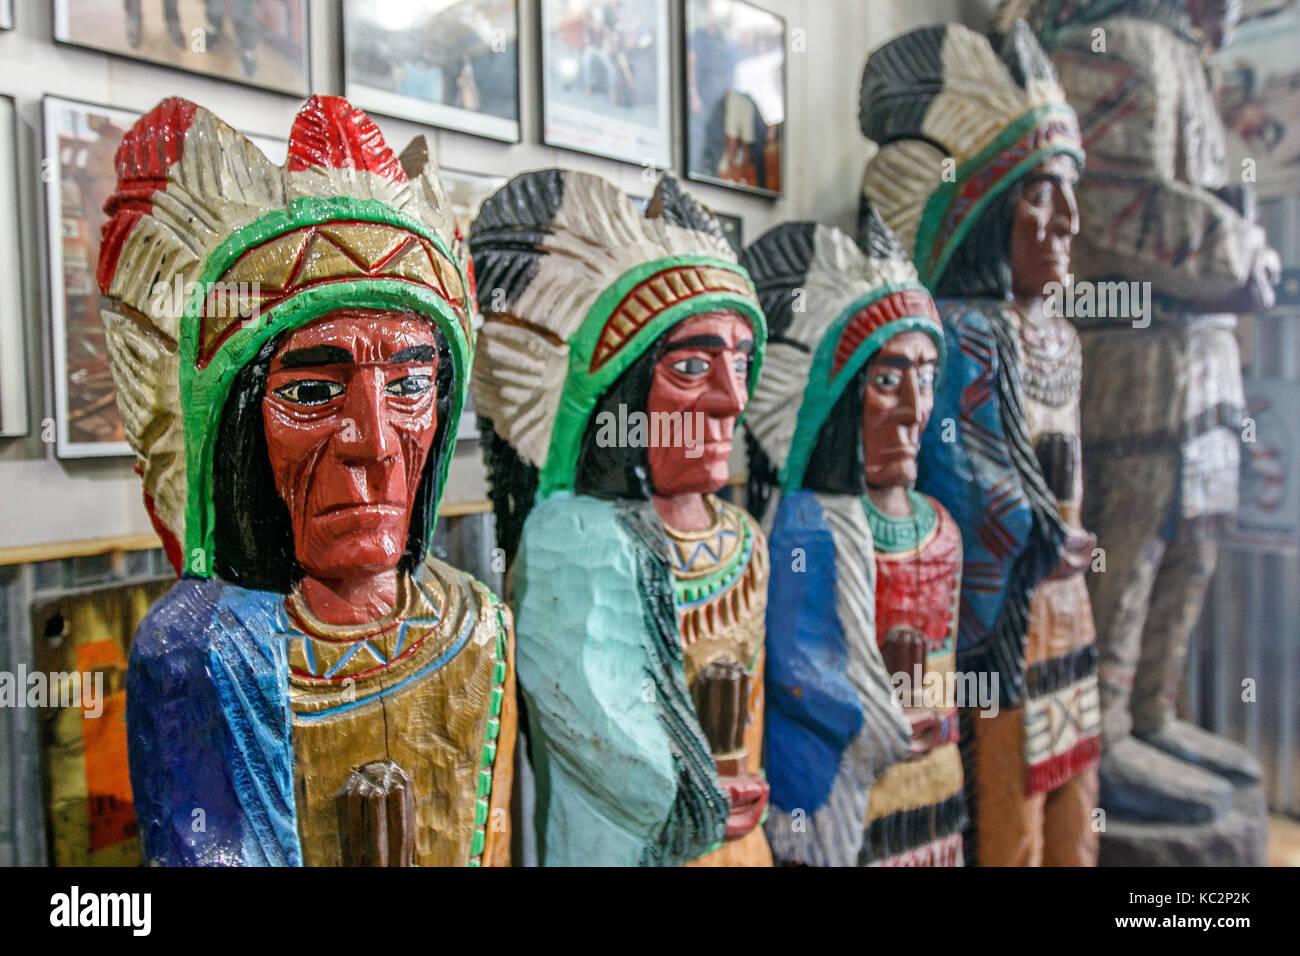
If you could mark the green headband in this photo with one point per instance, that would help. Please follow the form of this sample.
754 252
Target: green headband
204 391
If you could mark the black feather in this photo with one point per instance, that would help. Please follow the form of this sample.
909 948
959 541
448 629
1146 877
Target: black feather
506 238
899 82
679 208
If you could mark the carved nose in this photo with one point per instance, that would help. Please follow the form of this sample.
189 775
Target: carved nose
365 435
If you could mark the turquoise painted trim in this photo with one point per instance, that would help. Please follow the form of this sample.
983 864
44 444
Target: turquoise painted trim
891 534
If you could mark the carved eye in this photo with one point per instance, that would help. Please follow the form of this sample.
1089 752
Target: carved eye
310 391
411 386
925 378
886 380
743 363
691 366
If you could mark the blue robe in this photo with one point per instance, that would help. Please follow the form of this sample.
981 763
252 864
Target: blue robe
210 744
976 460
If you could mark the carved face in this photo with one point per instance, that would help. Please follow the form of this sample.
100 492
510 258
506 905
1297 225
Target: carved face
350 413
1045 224
702 376
897 404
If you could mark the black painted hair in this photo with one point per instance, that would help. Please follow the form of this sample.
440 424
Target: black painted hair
980 266
253 535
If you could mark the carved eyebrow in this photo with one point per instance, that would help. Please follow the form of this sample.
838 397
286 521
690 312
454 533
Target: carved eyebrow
315 355
901 361
708 342
416 353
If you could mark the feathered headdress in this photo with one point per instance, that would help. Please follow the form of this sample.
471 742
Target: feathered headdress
831 304
957 123
210 250
1049 18
574 284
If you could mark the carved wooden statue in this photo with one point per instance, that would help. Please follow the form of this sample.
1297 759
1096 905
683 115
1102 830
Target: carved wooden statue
616 356
862 612
978 158
291 347
1162 393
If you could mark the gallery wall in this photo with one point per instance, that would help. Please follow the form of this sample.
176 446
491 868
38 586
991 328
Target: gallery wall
47 500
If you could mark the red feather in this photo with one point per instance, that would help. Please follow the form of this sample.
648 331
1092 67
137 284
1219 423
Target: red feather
148 150
331 133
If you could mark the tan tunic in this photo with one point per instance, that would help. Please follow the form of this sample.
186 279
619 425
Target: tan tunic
431 688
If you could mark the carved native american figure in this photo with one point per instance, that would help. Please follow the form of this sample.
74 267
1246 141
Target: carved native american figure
314 689
978 158
1162 392
616 356
866 572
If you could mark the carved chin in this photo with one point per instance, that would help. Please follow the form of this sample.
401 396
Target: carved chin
339 552
684 476
892 474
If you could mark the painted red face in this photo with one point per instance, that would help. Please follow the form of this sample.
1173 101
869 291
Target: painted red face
703 373
1045 224
898 401
350 413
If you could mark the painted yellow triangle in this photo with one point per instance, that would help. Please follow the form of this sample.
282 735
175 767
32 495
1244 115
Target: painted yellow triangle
369 242
269 265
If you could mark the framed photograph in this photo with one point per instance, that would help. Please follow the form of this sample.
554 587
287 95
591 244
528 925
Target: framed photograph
80 142
448 63
13 359
256 42
734 91
605 79
735 230
1268 517
1260 100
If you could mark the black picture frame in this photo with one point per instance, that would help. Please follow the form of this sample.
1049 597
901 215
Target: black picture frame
94 389
715 114
440 116
60 15
15 419
659 155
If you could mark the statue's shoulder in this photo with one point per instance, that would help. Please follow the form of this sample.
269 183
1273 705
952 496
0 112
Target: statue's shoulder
735 515
195 613
461 592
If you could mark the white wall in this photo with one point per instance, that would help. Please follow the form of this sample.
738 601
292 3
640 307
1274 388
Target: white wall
44 499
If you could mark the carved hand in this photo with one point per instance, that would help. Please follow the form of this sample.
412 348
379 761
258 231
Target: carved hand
1257 295
748 793
925 725
1076 554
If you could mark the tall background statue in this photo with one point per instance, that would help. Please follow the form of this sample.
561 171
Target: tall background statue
291 347
617 354
865 571
1162 392
978 158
